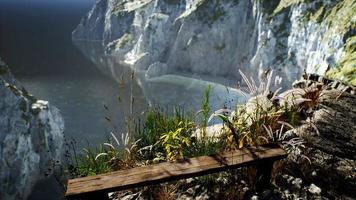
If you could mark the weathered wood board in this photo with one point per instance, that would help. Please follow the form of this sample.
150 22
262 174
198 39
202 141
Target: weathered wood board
163 172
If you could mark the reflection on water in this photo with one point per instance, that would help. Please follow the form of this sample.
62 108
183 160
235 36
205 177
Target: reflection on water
35 41
81 101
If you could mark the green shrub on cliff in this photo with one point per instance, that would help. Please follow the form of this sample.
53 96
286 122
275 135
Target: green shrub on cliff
346 69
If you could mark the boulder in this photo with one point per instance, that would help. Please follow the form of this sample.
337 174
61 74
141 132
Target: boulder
331 143
31 139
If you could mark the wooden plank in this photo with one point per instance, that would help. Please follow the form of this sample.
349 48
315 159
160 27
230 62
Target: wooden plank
163 172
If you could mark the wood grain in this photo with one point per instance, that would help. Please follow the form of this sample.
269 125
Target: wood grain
163 172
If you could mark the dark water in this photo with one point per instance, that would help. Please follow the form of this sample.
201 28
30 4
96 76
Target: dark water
35 41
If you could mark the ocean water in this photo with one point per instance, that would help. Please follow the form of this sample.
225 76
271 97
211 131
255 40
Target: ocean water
35 41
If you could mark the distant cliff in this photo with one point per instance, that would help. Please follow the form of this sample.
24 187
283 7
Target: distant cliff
31 138
169 43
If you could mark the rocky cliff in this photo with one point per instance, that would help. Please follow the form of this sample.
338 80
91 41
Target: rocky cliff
31 138
170 43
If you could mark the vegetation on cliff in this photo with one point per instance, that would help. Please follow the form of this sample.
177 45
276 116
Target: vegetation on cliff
346 69
337 18
268 117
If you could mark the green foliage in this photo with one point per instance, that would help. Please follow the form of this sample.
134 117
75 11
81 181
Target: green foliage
210 11
205 110
291 115
174 142
269 5
208 146
86 163
234 137
127 38
163 135
220 48
156 123
346 69
109 156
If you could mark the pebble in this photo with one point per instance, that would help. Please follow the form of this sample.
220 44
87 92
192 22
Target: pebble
203 196
297 183
254 197
313 189
190 191
189 180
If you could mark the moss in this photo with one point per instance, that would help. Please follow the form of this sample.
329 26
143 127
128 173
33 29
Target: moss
122 7
269 5
23 105
28 96
337 15
119 6
286 4
340 18
209 12
124 40
14 89
220 47
318 16
346 68
218 12
316 11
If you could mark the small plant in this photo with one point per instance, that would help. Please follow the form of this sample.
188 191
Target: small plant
246 123
88 165
157 123
109 156
205 110
175 142
119 158
223 114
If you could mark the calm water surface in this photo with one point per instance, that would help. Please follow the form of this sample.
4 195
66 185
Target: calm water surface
35 41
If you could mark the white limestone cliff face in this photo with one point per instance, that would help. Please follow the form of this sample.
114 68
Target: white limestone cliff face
31 139
166 41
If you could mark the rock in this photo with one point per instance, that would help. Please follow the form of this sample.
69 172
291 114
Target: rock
255 197
336 124
289 184
297 183
213 132
156 69
128 195
332 118
315 190
330 136
136 196
31 139
184 197
190 191
203 196
190 180
266 194
195 40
